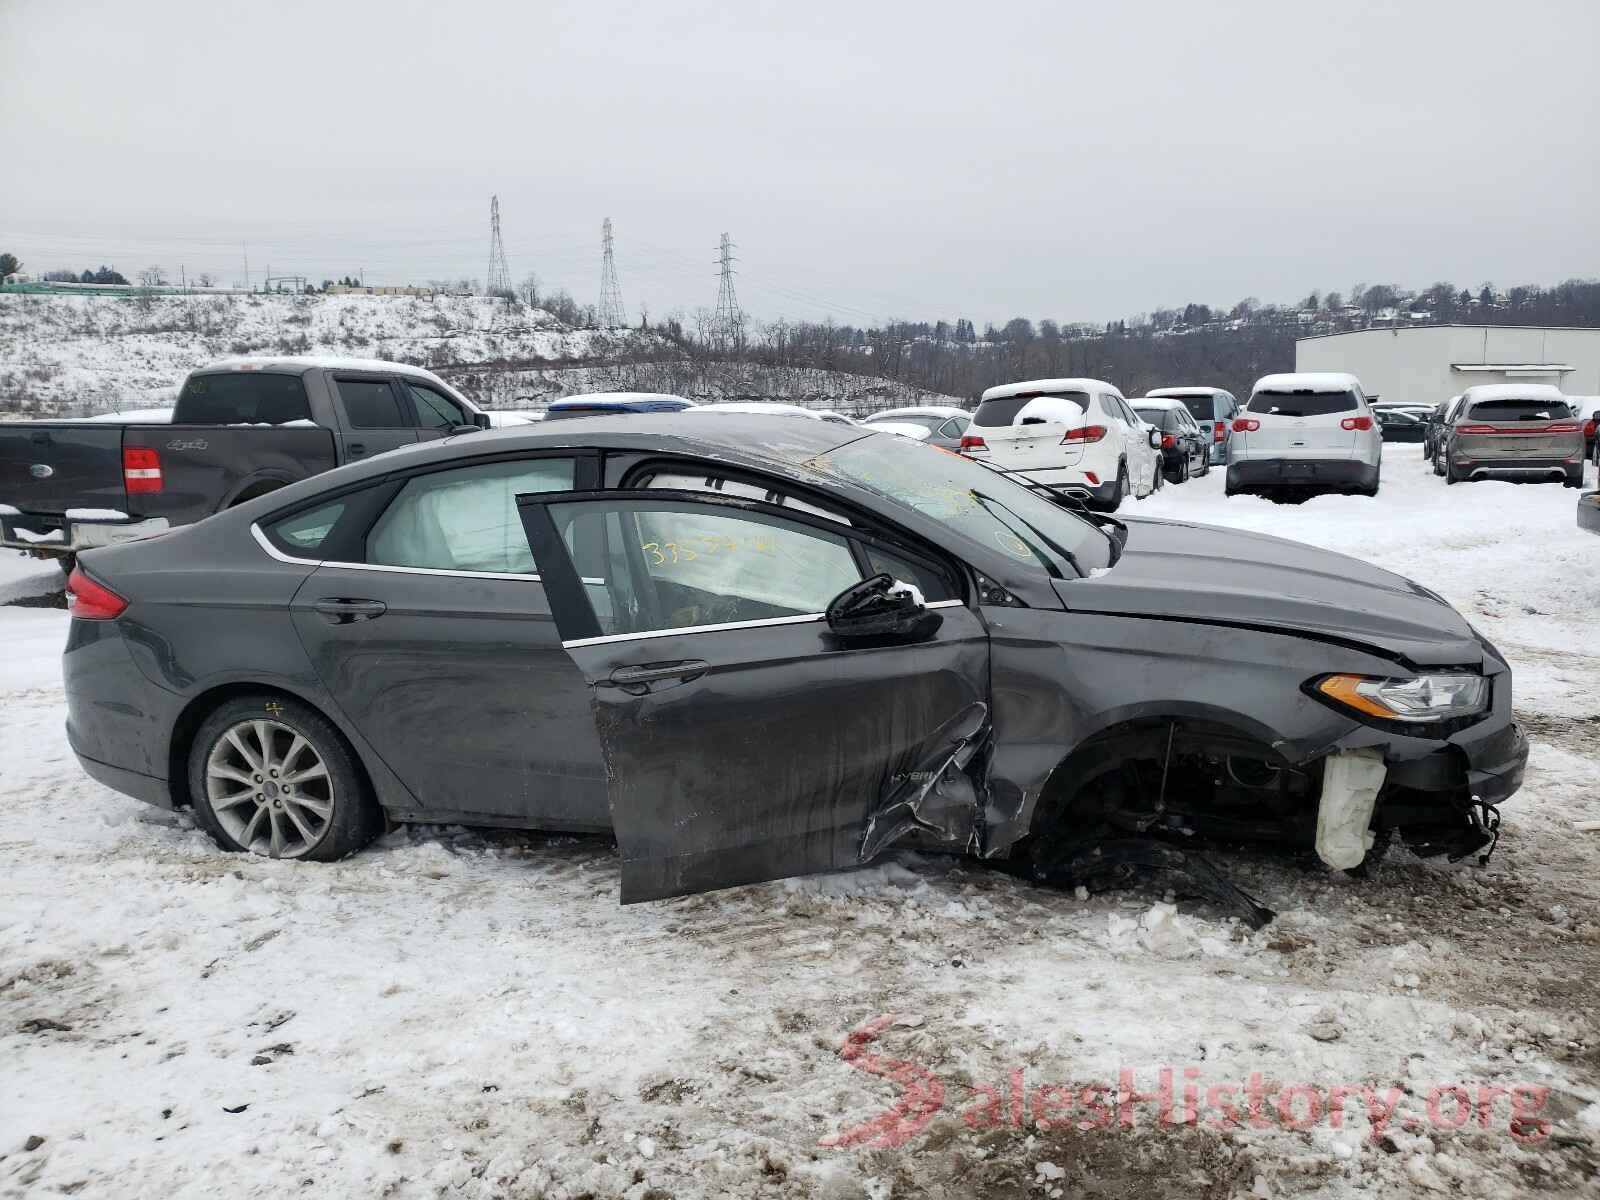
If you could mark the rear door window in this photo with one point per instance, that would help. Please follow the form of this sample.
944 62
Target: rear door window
466 519
1201 406
1507 411
242 398
372 404
1302 404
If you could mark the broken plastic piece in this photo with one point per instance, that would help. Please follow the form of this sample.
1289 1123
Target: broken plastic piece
1350 783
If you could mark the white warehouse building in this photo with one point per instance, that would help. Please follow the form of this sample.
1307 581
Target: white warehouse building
1430 363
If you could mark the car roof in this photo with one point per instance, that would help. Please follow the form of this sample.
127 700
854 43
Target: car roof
623 401
299 364
764 407
1162 402
1308 381
1044 387
918 410
1188 391
1516 391
758 442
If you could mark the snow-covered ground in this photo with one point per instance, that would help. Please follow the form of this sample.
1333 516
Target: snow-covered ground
453 1013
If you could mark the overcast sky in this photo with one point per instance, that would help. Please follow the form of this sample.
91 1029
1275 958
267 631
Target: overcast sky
871 160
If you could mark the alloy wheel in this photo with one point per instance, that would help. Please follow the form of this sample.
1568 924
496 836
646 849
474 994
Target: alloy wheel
269 789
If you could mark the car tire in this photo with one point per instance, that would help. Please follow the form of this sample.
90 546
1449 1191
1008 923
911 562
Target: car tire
1438 463
1574 479
313 800
1205 466
1449 471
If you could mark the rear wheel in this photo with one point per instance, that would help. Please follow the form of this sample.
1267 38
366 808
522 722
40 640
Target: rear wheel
1449 471
271 776
1574 477
1205 463
1438 459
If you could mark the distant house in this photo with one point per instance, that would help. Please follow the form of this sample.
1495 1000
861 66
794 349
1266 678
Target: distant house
340 289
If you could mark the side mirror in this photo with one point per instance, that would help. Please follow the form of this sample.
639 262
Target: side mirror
1155 439
481 420
879 609
474 428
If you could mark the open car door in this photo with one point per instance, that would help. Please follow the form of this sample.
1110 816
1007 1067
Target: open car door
745 737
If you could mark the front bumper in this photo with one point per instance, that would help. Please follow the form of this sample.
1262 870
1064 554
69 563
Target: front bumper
51 536
1301 472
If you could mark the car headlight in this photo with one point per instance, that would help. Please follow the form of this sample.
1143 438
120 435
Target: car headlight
1422 698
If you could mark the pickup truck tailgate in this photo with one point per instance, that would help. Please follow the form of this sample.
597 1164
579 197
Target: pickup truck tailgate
49 467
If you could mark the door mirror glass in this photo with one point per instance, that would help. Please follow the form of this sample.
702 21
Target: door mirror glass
882 610
1155 439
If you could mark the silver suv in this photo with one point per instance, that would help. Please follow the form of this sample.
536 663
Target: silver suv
1524 429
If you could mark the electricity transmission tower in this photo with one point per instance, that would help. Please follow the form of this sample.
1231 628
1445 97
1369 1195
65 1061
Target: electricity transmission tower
612 315
727 323
499 281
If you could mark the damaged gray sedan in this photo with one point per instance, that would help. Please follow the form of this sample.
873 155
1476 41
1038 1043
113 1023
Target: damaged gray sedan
767 646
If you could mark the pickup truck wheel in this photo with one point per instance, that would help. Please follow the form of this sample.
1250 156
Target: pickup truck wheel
272 776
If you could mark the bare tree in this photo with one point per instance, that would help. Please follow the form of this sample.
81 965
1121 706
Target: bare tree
152 277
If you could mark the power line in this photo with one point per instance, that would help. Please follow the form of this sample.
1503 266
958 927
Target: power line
612 315
727 322
499 279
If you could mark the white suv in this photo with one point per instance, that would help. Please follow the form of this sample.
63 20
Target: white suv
1305 430
1077 435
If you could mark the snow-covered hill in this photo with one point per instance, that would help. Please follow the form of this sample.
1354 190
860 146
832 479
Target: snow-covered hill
77 355
81 355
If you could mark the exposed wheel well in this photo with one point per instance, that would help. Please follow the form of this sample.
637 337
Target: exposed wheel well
1170 771
202 706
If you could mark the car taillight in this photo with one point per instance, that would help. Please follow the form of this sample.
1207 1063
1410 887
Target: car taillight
1220 431
1361 423
1477 429
91 601
1166 441
1094 480
1564 427
1245 424
971 441
1086 433
141 470
1590 426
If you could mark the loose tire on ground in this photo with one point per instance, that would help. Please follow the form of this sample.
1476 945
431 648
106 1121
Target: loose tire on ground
272 776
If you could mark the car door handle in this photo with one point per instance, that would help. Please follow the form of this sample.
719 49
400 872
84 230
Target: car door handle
638 679
355 449
342 612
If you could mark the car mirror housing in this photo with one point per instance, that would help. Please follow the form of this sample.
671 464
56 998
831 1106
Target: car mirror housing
879 609
1155 439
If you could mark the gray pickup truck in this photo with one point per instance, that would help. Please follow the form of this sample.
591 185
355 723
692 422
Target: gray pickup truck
241 428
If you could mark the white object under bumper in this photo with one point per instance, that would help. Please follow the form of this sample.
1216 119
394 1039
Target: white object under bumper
1350 783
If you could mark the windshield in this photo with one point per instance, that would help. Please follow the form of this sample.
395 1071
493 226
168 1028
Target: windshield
1520 410
1302 403
1200 407
1003 410
979 504
242 398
